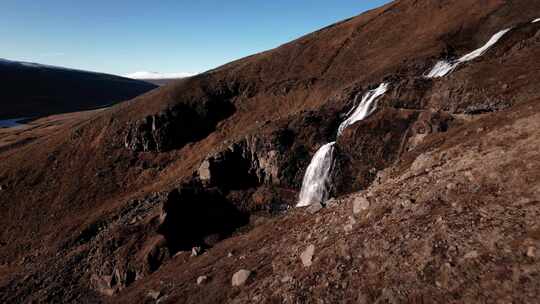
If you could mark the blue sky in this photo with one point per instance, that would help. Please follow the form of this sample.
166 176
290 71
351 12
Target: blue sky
120 37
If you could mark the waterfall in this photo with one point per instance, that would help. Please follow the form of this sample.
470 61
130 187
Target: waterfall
443 67
317 178
366 107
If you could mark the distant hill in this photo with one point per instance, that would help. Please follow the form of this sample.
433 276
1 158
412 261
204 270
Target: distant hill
158 79
161 81
31 89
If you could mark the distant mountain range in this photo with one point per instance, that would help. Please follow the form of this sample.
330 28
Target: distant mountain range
158 78
32 89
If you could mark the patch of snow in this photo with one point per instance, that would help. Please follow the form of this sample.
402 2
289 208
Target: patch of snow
443 68
366 107
9 123
536 20
317 177
155 75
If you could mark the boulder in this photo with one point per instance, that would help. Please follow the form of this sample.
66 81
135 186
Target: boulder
240 277
201 280
314 208
152 294
360 204
307 256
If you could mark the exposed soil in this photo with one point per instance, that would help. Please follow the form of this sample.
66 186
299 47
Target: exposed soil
136 202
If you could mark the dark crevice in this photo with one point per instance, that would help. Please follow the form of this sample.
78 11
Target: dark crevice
193 213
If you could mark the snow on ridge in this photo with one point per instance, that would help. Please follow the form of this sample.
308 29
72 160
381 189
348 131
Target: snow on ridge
443 67
156 75
536 20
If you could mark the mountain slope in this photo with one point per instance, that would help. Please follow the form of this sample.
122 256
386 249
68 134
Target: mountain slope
31 89
107 209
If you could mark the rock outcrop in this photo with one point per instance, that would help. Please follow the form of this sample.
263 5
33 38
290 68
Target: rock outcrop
178 125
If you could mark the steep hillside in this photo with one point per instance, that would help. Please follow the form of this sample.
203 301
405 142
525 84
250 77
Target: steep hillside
30 89
436 186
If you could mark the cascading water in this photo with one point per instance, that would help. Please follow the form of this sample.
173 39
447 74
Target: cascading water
365 108
442 68
317 178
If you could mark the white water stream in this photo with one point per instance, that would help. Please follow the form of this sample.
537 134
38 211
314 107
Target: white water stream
317 179
443 67
366 107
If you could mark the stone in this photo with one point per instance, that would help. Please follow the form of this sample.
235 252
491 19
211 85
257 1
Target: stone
471 255
103 284
350 225
162 299
240 277
348 228
360 204
314 208
531 252
307 256
201 280
153 294
204 171
451 186
332 202
286 279
405 203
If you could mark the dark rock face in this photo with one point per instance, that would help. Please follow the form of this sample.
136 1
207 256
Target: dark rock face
407 93
245 164
174 127
152 230
263 171
236 167
250 172
369 146
429 122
